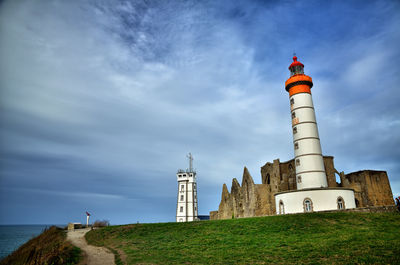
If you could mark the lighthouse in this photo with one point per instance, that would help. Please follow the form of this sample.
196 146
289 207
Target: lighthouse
312 193
186 207
309 163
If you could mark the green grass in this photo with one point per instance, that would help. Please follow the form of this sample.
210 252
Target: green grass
117 257
317 238
49 248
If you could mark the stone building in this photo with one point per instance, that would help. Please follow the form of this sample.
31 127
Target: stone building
371 188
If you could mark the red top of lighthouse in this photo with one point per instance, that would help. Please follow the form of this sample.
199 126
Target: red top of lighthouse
298 82
296 67
295 62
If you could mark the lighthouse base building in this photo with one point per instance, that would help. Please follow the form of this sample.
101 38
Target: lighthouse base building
314 199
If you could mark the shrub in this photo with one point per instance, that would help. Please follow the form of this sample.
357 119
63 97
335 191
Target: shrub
102 223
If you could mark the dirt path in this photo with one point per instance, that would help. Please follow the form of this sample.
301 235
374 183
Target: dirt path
95 255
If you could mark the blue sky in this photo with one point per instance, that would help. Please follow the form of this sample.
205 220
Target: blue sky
102 100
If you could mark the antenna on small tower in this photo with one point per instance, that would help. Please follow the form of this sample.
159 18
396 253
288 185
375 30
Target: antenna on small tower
190 162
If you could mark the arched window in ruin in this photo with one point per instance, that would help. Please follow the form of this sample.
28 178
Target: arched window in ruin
308 205
268 179
281 207
340 203
338 179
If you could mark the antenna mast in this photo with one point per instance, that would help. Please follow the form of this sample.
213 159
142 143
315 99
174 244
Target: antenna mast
190 162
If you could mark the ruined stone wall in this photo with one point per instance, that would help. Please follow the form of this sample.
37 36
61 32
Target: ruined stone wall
372 188
244 200
213 215
330 171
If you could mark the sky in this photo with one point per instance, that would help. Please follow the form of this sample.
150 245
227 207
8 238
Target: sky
101 101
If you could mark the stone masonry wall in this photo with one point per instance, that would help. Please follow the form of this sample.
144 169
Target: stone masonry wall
372 188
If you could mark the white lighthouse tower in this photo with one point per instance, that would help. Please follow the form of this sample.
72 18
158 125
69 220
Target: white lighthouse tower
310 170
186 207
313 193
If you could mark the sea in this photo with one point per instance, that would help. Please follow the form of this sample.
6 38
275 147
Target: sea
13 236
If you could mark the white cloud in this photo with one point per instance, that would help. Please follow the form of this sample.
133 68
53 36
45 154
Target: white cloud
128 89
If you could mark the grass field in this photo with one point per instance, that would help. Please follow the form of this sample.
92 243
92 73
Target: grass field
317 238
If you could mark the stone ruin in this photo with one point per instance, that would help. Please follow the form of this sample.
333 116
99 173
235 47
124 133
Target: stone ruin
371 188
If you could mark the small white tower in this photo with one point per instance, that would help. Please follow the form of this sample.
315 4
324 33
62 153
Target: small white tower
87 219
186 207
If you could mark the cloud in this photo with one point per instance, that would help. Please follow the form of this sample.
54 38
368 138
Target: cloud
106 98
74 195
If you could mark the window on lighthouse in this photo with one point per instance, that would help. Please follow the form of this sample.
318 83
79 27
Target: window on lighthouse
307 205
295 70
281 208
182 197
296 146
292 101
299 179
181 209
294 130
340 203
293 115
182 187
297 162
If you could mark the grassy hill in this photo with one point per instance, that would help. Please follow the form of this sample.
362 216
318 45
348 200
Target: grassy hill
50 247
317 238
